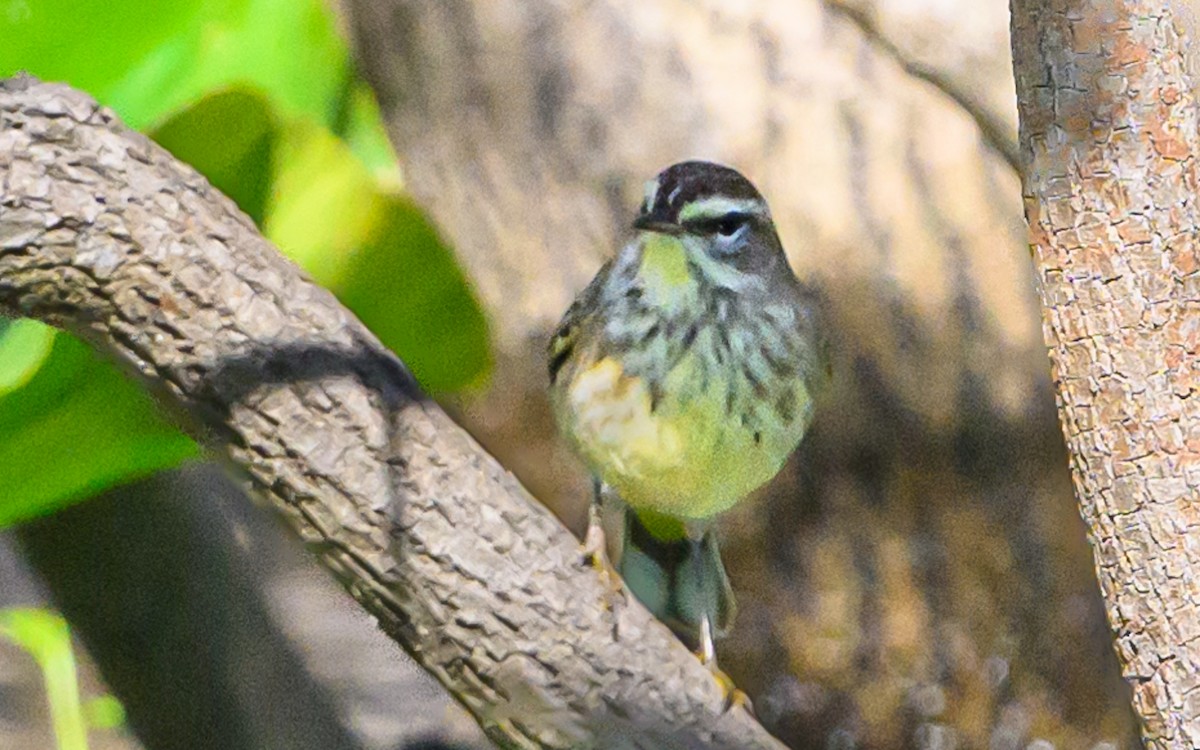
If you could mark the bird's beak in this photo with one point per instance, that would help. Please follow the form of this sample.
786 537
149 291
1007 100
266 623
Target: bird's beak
648 223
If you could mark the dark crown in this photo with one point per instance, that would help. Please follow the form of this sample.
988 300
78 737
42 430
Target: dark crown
689 181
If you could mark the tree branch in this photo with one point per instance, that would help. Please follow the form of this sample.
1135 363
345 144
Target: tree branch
1110 141
104 233
992 126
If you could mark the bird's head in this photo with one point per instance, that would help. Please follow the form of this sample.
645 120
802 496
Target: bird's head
712 220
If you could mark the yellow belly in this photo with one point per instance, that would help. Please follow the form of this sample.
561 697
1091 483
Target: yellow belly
685 459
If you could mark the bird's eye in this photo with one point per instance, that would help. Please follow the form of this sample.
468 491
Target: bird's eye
728 225
725 229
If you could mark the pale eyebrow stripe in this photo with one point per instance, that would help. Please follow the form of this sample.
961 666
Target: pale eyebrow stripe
713 208
650 192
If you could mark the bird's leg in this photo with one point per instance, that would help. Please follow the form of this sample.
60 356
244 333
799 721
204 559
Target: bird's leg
594 551
701 560
595 548
707 651
712 594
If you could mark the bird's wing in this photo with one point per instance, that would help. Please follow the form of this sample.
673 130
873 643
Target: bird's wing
566 336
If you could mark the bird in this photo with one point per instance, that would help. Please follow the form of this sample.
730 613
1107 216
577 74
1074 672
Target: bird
684 376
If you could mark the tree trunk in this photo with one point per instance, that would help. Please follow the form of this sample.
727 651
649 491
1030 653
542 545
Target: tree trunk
1110 141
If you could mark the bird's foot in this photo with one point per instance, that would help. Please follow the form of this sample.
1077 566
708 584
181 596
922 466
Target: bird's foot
595 544
734 697
595 554
593 547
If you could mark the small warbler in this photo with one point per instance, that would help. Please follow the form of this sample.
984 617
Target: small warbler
685 375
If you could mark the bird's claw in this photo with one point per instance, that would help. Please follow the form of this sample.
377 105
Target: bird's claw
735 698
595 556
594 553
595 544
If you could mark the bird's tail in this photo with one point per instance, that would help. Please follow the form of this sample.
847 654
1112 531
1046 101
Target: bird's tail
678 576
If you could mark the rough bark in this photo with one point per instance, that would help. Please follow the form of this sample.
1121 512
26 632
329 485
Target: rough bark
913 577
1110 140
105 234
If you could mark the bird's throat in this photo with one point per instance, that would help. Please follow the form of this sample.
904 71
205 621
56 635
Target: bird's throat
664 276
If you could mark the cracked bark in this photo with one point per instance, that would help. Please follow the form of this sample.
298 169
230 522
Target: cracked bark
105 234
1110 142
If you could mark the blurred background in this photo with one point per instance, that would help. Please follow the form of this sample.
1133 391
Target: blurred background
456 171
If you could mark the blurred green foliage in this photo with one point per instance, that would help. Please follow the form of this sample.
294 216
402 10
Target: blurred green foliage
46 637
229 137
104 712
261 97
74 428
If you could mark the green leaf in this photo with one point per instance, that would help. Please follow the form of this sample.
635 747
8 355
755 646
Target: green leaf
407 287
45 636
104 712
228 136
87 44
376 251
77 428
24 345
363 129
146 59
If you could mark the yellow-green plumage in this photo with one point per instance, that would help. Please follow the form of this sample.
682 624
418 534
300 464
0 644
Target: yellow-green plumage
684 374
687 457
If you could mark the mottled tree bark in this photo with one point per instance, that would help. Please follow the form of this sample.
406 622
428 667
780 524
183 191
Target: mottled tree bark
1110 140
105 234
